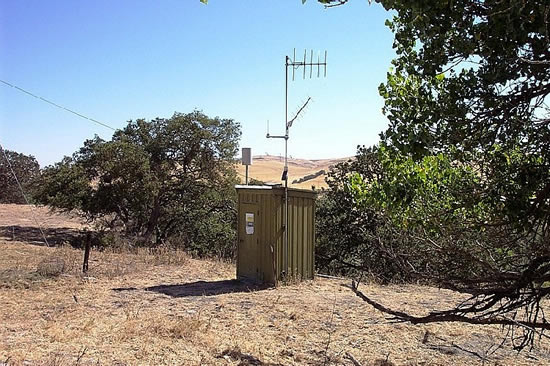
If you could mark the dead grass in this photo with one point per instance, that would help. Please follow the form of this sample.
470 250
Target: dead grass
165 308
120 317
18 278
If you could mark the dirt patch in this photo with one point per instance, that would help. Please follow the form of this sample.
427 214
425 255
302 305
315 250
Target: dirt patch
22 222
11 214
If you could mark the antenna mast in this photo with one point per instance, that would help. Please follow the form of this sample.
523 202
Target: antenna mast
295 66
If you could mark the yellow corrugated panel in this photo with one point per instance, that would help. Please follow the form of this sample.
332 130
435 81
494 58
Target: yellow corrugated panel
260 252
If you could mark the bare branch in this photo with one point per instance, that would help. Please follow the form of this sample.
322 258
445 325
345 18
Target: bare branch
454 315
535 62
335 3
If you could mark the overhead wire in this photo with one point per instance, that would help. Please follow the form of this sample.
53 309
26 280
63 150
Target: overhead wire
24 196
8 160
57 105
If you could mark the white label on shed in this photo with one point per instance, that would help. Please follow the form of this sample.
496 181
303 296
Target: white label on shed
249 222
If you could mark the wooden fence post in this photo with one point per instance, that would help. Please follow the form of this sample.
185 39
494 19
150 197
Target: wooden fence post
87 248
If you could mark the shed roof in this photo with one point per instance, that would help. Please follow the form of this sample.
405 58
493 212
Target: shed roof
276 188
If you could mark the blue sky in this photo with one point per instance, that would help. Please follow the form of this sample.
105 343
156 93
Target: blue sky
121 60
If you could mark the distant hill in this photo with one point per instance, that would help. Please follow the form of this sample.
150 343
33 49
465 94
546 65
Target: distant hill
305 173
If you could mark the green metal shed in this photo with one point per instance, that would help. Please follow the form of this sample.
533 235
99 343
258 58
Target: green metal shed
261 255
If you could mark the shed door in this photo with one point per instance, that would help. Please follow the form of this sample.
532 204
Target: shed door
249 246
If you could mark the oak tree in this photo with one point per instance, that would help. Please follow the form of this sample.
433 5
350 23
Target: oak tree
158 179
16 166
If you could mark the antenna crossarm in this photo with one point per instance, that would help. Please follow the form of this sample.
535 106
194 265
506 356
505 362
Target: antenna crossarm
296 65
277 137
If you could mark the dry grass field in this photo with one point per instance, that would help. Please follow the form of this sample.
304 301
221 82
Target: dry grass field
165 308
269 168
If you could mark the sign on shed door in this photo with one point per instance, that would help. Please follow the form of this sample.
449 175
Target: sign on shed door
249 222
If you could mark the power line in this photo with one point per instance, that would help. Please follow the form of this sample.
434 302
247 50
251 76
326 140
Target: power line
24 196
8 160
57 105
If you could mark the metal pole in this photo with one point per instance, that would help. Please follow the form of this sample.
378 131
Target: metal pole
246 175
293 64
285 238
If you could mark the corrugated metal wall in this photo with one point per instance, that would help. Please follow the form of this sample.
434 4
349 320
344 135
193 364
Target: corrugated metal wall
261 256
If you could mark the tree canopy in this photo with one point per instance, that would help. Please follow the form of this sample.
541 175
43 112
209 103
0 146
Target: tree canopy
465 159
25 168
155 179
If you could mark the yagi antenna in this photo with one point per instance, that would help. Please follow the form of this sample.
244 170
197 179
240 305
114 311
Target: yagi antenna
302 108
305 64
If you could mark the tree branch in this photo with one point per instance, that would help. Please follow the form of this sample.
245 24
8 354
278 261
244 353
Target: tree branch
444 316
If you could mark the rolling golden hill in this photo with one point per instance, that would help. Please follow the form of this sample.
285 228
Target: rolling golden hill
268 168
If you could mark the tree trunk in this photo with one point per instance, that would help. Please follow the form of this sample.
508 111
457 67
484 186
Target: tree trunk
153 220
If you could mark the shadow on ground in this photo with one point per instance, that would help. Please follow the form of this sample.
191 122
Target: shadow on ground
32 235
244 358
202 288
